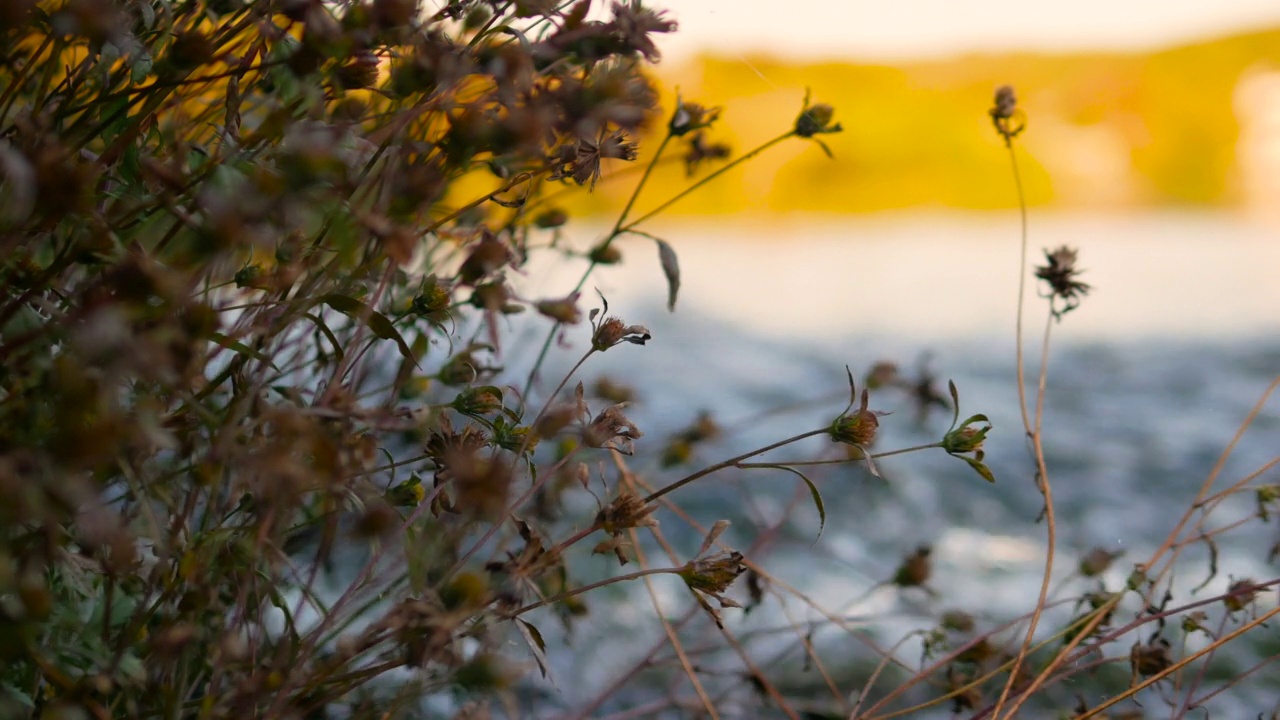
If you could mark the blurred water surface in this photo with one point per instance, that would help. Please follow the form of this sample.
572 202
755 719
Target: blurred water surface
1148 381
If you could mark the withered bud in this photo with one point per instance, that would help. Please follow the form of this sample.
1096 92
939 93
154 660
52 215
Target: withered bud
555 419
613 391
857 428
477 401
816 120
689 117
553 218
434 298
957 621
1005 115
1152 658
882 374
611 429
378 520
1006 103
605 254
915 568
626 511
565 310
713 575
965 439
1240 594
1096 561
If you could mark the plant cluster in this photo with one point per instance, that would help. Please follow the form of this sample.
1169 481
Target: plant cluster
259 453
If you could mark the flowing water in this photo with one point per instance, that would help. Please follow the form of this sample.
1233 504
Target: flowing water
1148 381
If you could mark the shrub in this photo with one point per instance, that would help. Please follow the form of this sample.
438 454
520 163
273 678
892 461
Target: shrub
258 453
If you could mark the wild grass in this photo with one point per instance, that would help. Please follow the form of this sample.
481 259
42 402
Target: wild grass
260 455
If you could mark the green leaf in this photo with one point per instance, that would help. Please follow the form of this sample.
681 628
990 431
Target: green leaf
817 498
980 468
333 340
374 320
536 643
17 695
241 348
955 403
853 392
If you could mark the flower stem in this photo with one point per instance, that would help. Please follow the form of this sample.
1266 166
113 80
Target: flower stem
588 588
719 171
731 462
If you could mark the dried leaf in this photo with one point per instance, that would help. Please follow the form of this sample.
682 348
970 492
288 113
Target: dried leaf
671 269
536 644
715 532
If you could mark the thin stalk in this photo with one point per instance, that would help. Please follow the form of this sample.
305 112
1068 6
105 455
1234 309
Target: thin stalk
720 171
1051 524
11 93
622 217
840 461
729 463
593 586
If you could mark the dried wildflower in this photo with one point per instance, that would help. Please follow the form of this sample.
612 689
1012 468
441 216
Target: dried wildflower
689 117
626 511
713 575
482 485
612 430
857 428
1151 659
1008 119
700 151
610 331
632 25
444 447
585 167
1061 274
1097 561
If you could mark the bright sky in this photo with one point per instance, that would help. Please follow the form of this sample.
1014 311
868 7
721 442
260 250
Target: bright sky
898 29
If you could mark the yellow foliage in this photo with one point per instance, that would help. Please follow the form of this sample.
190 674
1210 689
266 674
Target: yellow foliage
1105 130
